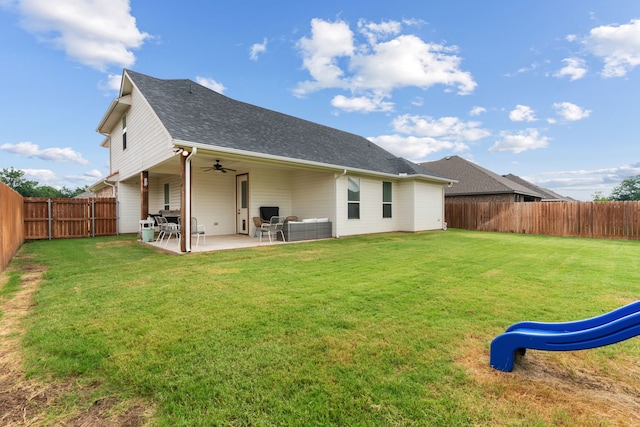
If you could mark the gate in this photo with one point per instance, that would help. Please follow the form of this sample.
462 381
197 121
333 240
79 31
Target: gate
68 218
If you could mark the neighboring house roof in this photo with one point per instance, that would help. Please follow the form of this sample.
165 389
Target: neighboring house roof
192 113
85 195
547 195
475 180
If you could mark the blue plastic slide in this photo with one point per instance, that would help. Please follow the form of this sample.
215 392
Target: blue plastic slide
610 328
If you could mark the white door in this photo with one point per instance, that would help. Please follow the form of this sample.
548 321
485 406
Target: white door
242 204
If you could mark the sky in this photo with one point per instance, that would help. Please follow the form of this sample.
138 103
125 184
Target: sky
545 90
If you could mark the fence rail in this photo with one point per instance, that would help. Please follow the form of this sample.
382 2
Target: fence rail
67 218
609 220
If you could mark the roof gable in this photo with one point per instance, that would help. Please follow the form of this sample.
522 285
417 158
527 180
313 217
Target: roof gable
474 179
193 113
546 193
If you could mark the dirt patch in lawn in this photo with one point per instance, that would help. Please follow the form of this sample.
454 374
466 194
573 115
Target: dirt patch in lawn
562 388
34 403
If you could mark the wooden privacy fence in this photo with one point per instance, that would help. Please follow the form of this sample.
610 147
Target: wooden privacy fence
65 218
607 220
11 220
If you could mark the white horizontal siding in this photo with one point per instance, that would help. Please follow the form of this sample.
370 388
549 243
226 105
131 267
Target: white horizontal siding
148 142
314 195
429 206
213 201
270 187
371 220
129 206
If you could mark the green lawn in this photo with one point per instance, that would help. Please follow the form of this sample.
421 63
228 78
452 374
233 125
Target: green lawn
377 330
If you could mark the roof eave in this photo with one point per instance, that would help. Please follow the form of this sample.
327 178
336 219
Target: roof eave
115 111
309 163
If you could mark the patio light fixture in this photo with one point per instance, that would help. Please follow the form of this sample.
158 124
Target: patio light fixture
179 150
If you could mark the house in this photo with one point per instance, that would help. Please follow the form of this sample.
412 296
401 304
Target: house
177 145
547 195
477 184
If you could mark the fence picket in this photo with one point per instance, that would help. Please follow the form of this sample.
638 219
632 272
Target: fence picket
607 220
67 218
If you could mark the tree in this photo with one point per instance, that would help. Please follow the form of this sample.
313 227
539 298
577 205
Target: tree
15 179
629 189
598 197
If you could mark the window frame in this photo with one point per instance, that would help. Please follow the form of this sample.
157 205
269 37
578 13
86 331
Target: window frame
124 132
167 197
353 197
387 205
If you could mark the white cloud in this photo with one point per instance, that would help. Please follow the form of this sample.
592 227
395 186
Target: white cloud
29 149
617 45
476 111
373 32
97 33
571 112
528 139
361 104
41 176
416 137
575 69
112 83
93 173
584 183
329 41
445 128
257 49
386 60
413 147
522 113
211 84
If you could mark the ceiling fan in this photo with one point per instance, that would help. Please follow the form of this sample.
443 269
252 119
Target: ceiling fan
218 167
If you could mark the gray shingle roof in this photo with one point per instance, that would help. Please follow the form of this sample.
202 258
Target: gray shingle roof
474 179
546 193
194 113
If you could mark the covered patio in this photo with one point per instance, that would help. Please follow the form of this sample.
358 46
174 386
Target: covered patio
215 243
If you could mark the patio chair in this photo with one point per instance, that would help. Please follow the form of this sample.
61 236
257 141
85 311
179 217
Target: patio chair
162 227
172 229
198 230
257 222
274 227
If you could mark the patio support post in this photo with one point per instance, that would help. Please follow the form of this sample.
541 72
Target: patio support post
144 194
183 204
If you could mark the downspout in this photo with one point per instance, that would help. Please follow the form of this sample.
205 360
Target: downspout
113 187
187 208
335 215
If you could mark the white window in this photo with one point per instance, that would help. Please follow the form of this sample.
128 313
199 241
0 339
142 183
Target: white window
353 197
124 132
386 199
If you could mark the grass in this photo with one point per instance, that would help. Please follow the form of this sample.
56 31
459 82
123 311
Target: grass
367 330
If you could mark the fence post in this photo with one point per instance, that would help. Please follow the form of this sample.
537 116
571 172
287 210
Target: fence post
49 216
93 218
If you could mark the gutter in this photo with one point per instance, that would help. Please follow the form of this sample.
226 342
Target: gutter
290 161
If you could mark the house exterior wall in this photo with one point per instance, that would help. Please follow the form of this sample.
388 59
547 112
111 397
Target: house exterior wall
313 195
213 201
148 142
129 206
371 220
270 187
429 206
